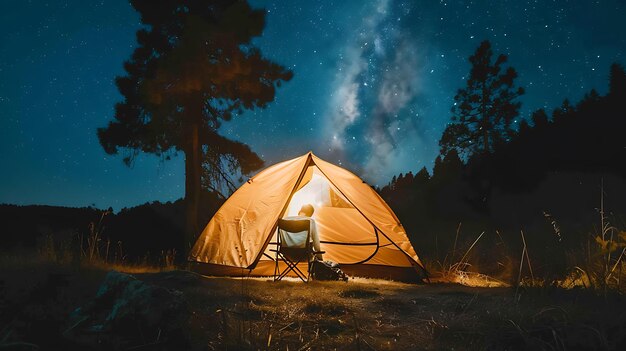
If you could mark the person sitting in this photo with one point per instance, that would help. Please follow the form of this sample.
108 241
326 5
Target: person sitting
306 211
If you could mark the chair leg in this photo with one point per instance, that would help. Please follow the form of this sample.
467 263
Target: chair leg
292 267
299 273
288 269
276 269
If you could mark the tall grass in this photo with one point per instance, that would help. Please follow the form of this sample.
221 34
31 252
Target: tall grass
89 249
598 265
456 266
603 267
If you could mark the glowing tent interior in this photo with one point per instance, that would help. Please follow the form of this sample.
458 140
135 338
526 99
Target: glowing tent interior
357 229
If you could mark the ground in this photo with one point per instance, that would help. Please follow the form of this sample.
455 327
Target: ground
361 314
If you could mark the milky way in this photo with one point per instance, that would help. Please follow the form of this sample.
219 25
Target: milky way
377 80
373 87
379 77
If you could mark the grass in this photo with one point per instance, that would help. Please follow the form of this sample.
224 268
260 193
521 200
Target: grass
461 309
600 266
459 270
88 251
363 314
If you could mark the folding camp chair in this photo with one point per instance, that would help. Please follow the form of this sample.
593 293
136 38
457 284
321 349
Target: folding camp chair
293 247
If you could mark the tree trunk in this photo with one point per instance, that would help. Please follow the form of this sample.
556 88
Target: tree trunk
192 185
484 118
486 140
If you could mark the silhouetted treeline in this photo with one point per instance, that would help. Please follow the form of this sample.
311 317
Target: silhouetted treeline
140 232
23 226
546 180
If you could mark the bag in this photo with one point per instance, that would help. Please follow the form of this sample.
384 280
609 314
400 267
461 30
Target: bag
328 270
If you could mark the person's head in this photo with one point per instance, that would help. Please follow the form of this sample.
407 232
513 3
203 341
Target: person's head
306 210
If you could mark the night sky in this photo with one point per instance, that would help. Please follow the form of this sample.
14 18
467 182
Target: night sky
373 86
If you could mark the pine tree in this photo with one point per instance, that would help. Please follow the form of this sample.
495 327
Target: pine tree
540 118
524 127
422 177
484 110
194 67
562 111
448 167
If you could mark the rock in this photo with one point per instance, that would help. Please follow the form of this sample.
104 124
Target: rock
127 312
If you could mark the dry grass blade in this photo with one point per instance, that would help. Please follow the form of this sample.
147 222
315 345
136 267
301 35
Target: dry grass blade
530 268
307 345
269 336
519 275
619 259
462 261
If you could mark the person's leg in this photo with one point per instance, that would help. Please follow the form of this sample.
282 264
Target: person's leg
316 240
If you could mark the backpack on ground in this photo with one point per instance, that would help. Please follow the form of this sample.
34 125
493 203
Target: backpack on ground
327 270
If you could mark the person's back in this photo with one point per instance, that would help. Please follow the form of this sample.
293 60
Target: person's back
305 214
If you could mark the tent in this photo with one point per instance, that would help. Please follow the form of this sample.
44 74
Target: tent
357 229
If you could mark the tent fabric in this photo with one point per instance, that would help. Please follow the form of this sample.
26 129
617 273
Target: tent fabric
238 230
369 203
355 225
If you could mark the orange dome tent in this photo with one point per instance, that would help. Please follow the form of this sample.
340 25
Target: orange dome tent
357 229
